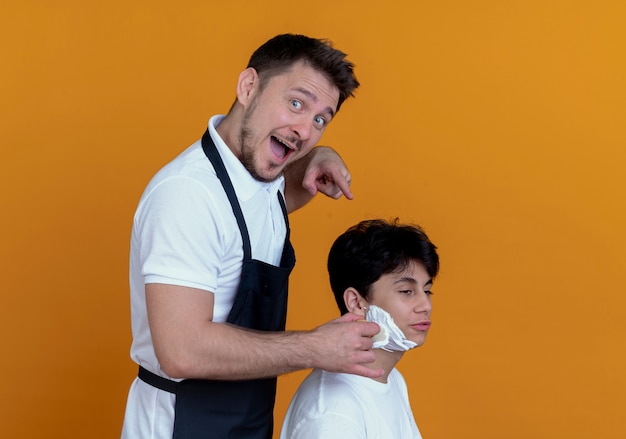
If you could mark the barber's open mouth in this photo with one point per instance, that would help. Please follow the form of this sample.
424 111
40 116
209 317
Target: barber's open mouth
280 148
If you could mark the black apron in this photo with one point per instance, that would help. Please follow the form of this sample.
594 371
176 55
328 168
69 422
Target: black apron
236 409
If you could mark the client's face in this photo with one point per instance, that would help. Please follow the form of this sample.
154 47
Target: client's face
406 296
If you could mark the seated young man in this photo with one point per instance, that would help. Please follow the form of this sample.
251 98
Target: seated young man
383 271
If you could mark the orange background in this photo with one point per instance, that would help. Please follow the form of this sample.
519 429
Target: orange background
498 126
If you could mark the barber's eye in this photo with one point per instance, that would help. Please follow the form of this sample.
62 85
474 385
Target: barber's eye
320 121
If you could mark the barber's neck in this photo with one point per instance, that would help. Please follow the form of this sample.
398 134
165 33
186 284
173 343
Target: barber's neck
229 128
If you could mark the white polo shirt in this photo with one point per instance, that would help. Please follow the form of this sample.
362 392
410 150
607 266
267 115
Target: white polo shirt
185 233
340 405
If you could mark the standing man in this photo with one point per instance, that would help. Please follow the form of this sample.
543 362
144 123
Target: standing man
210 255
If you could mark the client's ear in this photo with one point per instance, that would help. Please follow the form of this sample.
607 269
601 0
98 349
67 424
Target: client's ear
355 303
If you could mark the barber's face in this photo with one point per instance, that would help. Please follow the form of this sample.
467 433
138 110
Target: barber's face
406 296
285 120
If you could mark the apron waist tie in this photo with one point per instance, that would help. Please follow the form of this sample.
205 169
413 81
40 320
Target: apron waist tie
157 381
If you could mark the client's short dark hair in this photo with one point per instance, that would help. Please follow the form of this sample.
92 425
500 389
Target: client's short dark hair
372 248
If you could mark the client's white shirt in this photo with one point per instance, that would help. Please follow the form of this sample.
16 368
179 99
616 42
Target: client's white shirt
335 405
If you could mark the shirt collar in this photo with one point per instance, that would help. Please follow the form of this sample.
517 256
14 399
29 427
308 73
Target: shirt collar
245 185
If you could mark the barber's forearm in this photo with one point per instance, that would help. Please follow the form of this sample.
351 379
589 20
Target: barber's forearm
232 353
296 196
188 344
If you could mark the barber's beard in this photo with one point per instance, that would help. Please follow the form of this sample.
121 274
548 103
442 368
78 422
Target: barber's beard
247 152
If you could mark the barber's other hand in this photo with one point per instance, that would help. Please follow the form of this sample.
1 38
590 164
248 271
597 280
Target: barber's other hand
345 345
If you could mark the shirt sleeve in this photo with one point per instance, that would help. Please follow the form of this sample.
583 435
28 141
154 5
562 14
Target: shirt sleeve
178 226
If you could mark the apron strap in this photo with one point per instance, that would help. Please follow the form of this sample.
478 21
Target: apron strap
281 200
210 151
157 381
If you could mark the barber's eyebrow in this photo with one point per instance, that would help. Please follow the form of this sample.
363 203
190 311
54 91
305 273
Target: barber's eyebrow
313 97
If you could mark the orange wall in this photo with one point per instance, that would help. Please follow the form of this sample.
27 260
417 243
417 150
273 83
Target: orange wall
497 126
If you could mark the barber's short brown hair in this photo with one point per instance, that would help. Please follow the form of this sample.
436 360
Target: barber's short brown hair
280 52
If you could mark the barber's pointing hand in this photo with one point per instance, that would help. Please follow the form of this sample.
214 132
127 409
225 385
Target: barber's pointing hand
327 173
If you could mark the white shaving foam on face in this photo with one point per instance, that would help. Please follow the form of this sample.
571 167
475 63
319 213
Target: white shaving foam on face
390 338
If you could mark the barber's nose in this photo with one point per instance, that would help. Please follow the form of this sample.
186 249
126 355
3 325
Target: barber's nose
302 127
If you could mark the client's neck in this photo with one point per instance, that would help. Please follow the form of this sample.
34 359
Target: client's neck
385 360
